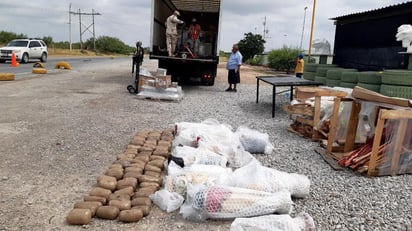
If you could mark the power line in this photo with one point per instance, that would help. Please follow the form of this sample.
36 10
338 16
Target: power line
87 28
265 30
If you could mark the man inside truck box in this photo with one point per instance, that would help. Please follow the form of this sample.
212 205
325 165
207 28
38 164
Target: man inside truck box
194 31
171 32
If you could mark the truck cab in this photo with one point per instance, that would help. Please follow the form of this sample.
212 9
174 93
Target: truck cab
183 67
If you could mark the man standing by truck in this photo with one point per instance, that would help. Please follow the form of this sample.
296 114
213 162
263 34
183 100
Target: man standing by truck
233 67
171 32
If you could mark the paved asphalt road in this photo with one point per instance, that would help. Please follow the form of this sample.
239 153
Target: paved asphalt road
25 70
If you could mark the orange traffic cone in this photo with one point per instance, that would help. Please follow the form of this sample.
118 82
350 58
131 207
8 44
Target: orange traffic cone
14 63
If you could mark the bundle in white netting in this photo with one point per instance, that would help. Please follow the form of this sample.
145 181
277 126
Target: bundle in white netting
302 222
254 141
179 178
223 202
204 156
215 137
186 133
255 176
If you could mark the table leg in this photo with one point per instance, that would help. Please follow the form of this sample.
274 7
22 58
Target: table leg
291 93
257 90
273 100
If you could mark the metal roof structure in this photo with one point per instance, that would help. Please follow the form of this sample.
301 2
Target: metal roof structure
399 8
211 6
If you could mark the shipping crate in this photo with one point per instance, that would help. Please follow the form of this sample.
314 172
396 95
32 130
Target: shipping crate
387 151
308 116
396 158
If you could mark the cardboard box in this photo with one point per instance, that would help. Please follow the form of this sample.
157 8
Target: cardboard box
161 72
157 81
163 81
146 80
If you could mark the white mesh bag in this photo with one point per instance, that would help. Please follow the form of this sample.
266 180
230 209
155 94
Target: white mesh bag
222 202
302 222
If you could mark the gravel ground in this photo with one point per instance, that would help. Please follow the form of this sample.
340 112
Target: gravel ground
61 131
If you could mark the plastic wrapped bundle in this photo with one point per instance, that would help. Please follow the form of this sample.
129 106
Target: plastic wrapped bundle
167 201
223 202
179 178
302 222
173 94
192 155
227 145
254 141
187 133
257 177
215 137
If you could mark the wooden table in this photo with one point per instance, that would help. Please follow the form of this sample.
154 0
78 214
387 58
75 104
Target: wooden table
282 81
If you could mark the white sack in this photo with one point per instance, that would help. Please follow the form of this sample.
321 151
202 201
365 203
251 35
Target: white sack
254 141
215 137
204 156
223 202
167 201
302 222
179 178
257 177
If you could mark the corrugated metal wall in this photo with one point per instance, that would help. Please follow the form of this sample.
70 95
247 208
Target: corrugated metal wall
367 41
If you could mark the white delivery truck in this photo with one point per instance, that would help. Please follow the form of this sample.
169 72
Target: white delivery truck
183 66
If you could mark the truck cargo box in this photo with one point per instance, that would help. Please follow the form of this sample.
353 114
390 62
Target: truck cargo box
181 67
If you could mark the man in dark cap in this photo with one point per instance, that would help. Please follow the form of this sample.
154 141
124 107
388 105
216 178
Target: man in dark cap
300 65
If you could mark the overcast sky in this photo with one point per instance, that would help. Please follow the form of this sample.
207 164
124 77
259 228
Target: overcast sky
129 20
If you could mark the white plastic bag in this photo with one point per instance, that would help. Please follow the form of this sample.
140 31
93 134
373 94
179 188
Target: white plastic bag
226 143
258 177
192 155
254 141
179 178
223 202
215 137
187 133
302 222
168 201
187 153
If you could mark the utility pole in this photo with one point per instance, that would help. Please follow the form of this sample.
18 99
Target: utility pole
80 27
265 30
264 27
303 27
311 29
93 13
94 35
70 27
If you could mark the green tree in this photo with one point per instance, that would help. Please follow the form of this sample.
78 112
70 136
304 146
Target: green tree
62 45
48 40
283 59
251 45
108 44
6 37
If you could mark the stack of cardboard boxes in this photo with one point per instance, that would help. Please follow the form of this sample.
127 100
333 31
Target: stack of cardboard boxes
157 79
158 85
